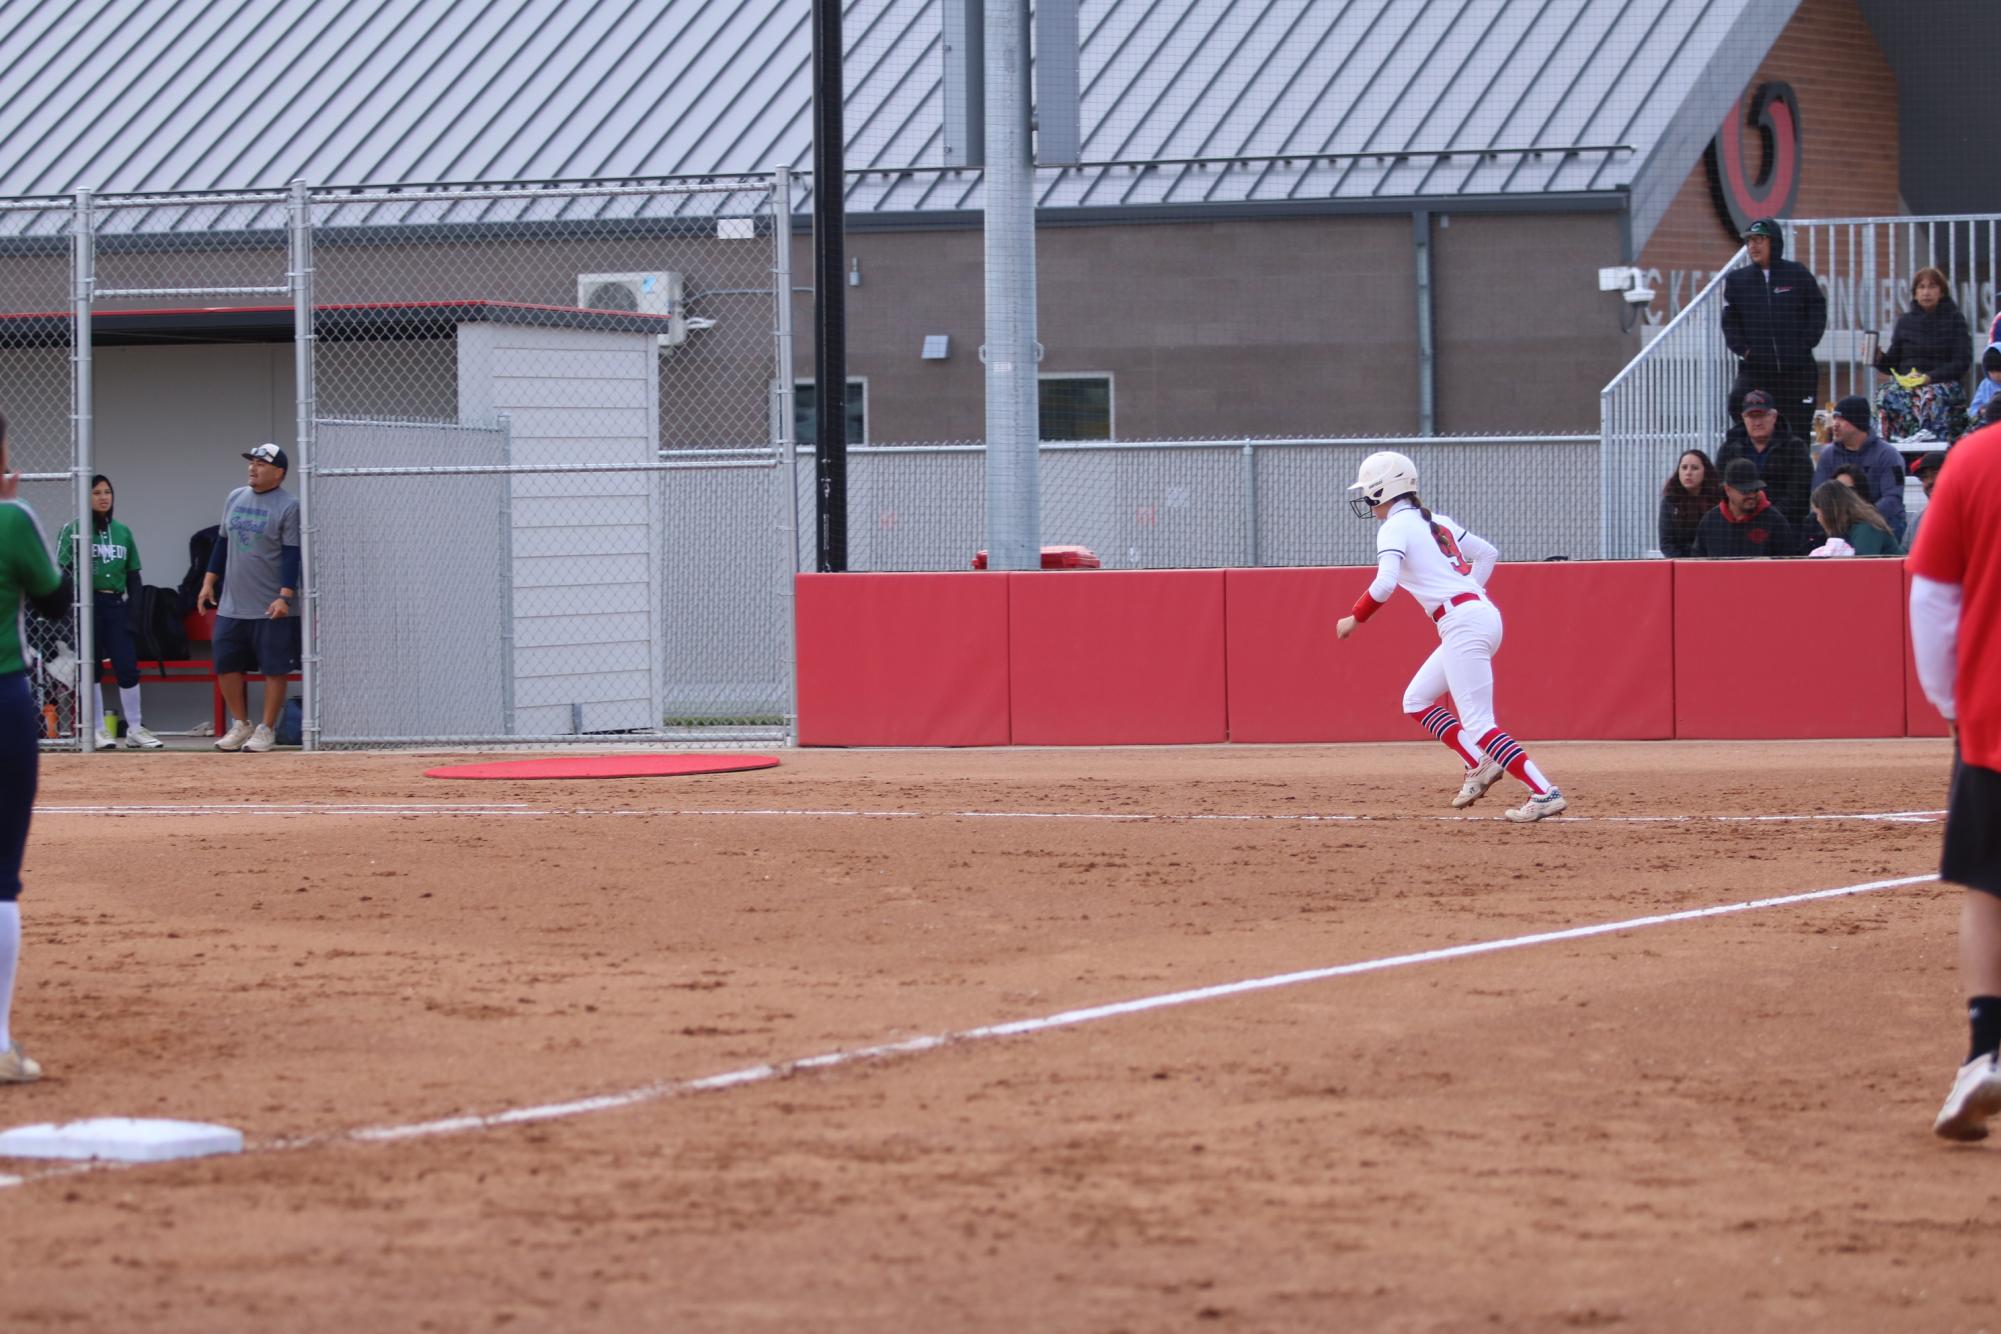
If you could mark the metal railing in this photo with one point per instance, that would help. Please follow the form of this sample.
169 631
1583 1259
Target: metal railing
1673 396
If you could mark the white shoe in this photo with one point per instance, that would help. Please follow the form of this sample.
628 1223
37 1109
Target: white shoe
106 741
1539 808
1975 1096
138 738
238 733
1476 784
261 740
15 1068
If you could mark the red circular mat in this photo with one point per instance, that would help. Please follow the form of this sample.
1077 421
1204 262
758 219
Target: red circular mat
607 766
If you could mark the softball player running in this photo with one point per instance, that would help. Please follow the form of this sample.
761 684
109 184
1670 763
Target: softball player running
25 572
1445 567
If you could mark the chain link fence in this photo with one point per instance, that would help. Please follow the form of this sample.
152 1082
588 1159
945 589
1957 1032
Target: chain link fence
1198 504
540 433
518 392
38 397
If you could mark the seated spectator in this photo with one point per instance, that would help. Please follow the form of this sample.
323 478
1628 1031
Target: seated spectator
1690 492
1844 515
1746 523
1851 476
1989 386
1926 470
1880 466
1778 454
1928 356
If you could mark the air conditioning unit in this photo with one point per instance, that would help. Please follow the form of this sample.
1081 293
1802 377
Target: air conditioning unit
639 294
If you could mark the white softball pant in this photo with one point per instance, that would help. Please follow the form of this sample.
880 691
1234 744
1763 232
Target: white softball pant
1469 635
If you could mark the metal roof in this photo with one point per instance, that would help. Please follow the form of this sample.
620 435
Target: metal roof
193 95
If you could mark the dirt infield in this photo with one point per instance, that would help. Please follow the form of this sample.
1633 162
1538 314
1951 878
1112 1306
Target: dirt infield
1703 1124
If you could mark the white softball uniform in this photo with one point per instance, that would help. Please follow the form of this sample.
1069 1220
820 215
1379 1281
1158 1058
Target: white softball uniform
1447 575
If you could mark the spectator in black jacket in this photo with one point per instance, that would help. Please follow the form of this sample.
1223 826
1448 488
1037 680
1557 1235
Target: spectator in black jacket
1780 458
1746 523
1773 316
1929 353
1690 492
1856 446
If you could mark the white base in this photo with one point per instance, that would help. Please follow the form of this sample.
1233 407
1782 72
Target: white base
120 1139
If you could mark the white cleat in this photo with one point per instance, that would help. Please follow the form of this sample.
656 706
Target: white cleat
16 1068
1975 1096
138 738
1476 784
1539 808
106 741
238 733
261 740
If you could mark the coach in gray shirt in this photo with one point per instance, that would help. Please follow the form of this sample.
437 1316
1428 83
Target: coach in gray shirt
254 627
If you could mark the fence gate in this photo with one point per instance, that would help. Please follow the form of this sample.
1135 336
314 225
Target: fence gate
542 503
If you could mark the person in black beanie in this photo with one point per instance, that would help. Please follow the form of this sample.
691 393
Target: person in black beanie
1857 446
1773 316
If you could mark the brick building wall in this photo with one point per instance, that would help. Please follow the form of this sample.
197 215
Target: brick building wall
1848 134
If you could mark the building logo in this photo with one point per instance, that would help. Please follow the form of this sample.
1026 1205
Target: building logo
1773 110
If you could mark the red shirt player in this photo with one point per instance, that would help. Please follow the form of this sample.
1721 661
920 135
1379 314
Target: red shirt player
1955 627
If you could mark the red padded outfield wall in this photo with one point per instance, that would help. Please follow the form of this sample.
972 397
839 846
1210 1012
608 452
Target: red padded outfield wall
1125 657
1560 674
1920 718
1593 650
902 659
1789 649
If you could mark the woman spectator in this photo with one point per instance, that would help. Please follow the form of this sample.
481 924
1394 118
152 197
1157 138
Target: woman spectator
1928 356
1853 526
114 583
1690 492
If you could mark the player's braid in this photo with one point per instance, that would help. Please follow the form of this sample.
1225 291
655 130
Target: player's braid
1438 533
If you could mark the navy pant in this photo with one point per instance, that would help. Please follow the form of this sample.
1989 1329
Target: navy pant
20 761
114 637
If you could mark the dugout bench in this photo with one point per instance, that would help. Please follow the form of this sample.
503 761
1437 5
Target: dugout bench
190 670
200 628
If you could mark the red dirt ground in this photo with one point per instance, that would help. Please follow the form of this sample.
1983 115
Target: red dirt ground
1712 1124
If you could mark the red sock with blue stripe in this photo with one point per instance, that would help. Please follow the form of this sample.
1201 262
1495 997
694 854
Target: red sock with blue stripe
1442 723
1508 753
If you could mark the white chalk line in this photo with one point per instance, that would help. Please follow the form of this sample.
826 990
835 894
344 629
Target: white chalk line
765 1073
504 810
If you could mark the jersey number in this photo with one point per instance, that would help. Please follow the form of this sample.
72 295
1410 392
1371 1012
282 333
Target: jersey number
1451 549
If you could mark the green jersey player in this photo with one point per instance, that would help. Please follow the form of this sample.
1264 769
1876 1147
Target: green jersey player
26 575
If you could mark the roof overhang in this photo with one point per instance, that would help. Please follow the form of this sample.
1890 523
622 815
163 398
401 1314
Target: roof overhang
361 322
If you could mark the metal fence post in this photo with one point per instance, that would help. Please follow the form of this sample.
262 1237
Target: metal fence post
1250 471
782 443
505 422
1014 504
301 277
83 284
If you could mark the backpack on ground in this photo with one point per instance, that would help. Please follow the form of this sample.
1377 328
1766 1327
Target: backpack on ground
161 638
292 723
